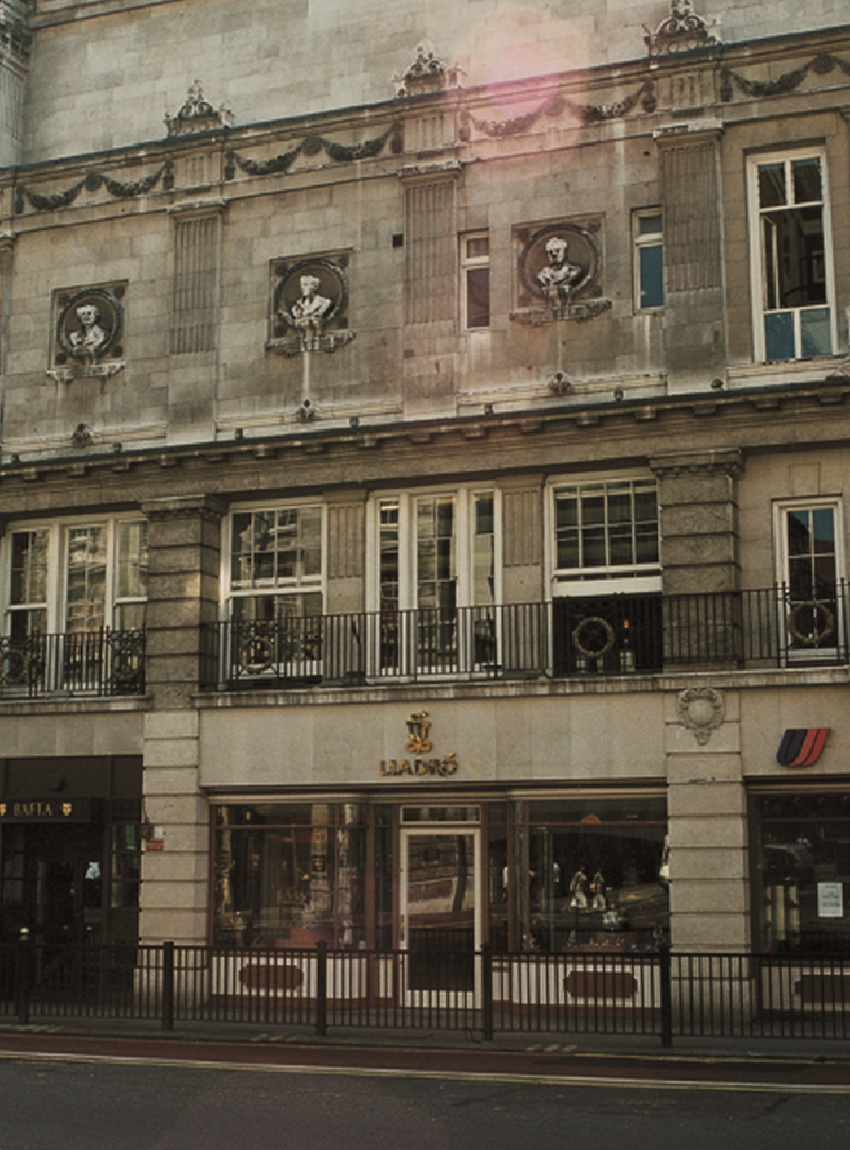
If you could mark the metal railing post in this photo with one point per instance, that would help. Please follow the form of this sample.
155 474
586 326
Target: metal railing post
168 986
23 956
322 989
666 985
487 991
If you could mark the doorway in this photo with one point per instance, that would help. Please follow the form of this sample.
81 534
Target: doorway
440 926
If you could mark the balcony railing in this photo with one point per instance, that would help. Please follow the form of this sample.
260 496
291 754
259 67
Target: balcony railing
102 662
609 635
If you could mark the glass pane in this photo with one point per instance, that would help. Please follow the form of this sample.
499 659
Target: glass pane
779 335
484 514
593 547
794 258
593 509
807 181
799 526
621 545
651 275
440 928
646 543
619 506
311 541
772 185
646 503
478 297
132 559
567 510
649 225
29 567
478 247
568 551
815 332
86 578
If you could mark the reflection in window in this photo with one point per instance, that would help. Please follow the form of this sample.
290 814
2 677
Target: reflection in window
803 872
794 281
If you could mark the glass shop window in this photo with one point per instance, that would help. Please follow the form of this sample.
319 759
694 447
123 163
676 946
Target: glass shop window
801 881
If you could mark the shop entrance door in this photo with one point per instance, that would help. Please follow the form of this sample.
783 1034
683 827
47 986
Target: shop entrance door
440 913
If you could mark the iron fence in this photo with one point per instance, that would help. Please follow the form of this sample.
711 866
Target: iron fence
570 636
101 662
661 995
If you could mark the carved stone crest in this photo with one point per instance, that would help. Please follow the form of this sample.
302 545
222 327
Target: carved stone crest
309 305
701 710
427 73
681 31
89 329
197 115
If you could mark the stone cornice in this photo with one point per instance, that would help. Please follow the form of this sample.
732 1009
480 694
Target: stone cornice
623 425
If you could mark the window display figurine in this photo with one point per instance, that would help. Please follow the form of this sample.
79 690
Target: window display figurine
578 889
597 889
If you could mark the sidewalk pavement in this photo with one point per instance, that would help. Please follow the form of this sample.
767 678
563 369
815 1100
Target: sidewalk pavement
612 1046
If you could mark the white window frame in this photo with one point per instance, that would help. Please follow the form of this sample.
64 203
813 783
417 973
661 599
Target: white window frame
781 550
468 264
758 283
464 496
57 569
316 584
637 579
641 241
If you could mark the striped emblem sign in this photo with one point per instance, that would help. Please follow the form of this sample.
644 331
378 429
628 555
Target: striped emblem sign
801 746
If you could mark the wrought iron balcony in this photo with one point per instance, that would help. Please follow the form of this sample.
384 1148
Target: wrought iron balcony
610 635
102 662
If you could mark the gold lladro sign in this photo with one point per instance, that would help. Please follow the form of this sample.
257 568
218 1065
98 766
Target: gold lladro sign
418 744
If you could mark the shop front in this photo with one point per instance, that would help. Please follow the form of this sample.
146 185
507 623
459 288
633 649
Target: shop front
438 875
69 850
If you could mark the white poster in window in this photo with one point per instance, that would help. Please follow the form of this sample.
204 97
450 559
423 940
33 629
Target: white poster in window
830 900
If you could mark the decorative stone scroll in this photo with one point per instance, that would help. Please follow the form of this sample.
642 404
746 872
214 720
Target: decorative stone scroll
559 274
427 73
309 302
682 31
197 115
89 327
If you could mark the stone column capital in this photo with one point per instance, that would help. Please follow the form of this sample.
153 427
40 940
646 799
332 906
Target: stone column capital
723 461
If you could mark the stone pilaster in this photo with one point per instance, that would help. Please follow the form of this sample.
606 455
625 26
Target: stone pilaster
175 874
346 552
522 533
709 881
698 494
184 564
430 279
692 213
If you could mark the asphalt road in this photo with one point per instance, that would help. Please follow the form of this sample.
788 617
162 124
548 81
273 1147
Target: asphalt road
61 1093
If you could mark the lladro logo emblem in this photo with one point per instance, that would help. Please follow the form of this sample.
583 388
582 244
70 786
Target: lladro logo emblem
418 743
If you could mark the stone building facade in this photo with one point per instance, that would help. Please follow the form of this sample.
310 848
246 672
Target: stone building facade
424 480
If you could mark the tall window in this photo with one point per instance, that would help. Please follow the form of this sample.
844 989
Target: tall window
811 566
27 610
77 578
437 551
475 269
649 260
276 565
794 266
606 530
